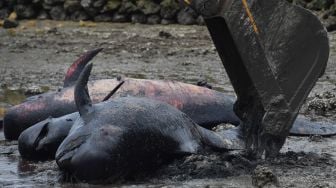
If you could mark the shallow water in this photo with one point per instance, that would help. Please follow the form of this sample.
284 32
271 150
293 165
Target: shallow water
10 97
38 56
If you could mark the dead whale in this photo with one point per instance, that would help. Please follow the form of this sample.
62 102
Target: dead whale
128 135
205 106
40 142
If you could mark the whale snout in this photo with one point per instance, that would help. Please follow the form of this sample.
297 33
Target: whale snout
40 141
29 140
83 161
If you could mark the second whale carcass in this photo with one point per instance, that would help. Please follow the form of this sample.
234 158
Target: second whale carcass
204 106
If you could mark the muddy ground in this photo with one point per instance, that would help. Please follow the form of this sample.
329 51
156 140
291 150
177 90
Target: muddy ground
35 57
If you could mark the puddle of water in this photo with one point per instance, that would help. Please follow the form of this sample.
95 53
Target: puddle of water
21 173
10 97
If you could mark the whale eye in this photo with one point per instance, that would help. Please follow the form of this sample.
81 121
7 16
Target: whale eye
110 130
103 131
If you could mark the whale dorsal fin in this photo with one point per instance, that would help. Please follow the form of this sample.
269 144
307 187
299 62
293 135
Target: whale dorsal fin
77 67
82 97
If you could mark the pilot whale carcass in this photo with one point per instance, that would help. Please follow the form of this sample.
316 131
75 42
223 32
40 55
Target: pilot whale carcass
40 142
122 137
205 106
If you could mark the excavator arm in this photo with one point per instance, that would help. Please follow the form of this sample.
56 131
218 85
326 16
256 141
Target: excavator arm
273 52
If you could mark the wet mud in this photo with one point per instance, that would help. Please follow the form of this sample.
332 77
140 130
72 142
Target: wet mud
35 56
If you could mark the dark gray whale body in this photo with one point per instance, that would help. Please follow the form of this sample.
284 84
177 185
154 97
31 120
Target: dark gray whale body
121 137
112 144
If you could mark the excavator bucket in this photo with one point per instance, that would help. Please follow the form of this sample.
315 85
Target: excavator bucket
274 52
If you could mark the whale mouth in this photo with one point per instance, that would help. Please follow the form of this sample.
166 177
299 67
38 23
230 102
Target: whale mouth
68 149
36 133
29 140
42 134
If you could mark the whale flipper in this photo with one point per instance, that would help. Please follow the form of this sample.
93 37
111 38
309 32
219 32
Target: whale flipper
230 139
303 126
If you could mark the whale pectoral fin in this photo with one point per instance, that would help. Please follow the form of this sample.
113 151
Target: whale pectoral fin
230 139
77 67
189 147
304 127
82 97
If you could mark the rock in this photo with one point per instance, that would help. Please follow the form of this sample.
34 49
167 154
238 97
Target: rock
2 4
4 13
167 21
10 24
127 7
186 16
111 5
13 16
57 13
86 3
106 17
10 4
169 9
119 18
99 3
320 4
46 6
92 12
139 18
25 11
72 6
79 15
165 34
43 15
53 2
264 177
200 20
148 7
37 2
89 8
153 19
23 2
330 23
